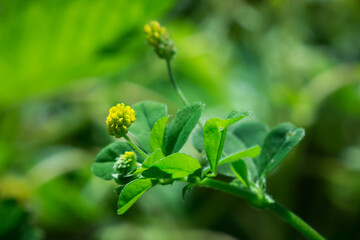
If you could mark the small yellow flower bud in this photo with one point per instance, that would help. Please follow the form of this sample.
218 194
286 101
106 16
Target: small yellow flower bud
125 163
157 36
119 120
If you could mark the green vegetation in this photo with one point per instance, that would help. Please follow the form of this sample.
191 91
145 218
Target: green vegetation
63 64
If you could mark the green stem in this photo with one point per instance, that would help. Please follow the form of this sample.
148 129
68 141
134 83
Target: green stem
295 221
135 147
264 201
177 88
173 82
223 186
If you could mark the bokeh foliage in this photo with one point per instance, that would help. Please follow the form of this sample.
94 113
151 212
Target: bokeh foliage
63 63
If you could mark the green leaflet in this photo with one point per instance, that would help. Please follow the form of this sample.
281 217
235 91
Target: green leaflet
112 151
181 127
152 158
250 152
214 138
277 144
131 192
157 134
146 113
103 170
177 165
240 169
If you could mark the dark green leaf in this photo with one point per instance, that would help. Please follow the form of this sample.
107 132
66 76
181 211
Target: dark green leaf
240 169
152 158
214 138
277 145
131 192
250 152
103 170
112 151
157 134
198 139
251 132
181 127
146 113
177 165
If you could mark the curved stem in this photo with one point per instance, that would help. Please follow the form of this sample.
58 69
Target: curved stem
261 201
295 221
172 79
135 147
178 90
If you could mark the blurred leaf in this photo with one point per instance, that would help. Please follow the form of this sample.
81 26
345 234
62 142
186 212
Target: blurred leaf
103 170
214 138
197 139
177 165
277 144
251 132
240 170
181 127
186 189
157 134
146 113
18 224
152 158
232 144
59 42
131 192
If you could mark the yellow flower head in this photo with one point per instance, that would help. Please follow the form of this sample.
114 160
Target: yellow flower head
157 36
120 119
125 163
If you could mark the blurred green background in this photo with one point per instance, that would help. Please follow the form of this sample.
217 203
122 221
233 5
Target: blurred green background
64 63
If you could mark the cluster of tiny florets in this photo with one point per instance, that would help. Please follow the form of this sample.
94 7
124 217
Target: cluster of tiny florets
119 120
125 163
157 36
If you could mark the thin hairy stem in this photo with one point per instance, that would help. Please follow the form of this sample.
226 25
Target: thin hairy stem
177 88
135 147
